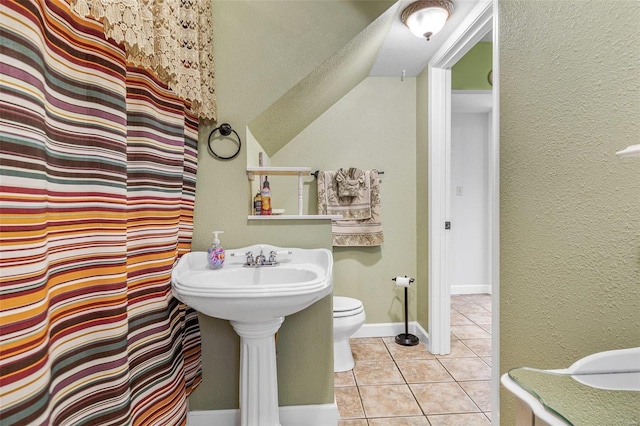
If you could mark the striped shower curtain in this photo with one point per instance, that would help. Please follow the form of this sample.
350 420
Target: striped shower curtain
97 183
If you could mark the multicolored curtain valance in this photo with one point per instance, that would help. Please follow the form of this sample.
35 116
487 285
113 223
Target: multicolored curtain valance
171 37
98 162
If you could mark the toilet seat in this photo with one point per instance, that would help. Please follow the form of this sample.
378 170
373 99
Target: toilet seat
346 307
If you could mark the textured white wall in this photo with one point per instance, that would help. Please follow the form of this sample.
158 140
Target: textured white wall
469 203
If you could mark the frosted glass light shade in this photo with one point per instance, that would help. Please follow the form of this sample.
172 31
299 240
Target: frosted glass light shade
426 17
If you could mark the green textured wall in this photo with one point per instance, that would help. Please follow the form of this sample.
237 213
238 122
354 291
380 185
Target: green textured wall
355 132
570 209
261 49
472 70
320 89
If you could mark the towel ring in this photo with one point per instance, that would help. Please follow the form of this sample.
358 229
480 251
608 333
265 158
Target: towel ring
225 129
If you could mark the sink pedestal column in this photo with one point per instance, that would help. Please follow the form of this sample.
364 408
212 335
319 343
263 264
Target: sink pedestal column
258 374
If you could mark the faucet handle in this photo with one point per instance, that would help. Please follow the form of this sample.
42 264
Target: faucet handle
260 259
249 257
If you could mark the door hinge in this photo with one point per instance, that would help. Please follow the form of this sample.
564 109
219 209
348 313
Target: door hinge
447 225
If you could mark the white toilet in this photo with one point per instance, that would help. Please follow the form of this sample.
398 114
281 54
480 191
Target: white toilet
348 317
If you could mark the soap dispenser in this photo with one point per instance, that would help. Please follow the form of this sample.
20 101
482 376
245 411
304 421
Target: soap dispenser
215 254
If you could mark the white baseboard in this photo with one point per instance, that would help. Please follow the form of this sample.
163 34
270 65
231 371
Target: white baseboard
383 329
389 329
422 334
292 415
471 289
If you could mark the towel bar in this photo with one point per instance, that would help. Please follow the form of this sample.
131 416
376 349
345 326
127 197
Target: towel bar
315 174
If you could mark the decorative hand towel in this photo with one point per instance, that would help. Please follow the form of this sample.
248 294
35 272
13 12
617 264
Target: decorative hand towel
350 232
350 183
351 207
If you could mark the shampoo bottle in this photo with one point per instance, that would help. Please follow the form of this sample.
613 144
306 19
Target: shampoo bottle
265 194
215 254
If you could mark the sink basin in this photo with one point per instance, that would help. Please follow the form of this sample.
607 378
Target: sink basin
555 396
609 370
255 300
253 294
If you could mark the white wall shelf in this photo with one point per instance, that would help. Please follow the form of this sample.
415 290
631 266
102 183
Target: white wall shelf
286 171
295 217
279 171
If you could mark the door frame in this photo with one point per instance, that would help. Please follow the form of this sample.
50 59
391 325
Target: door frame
482 18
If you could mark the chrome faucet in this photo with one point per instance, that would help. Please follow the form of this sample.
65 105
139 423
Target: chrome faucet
261 259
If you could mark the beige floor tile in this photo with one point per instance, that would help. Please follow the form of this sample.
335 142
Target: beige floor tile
423 371
365 340
479 298
481 347
458 319
482 318
469 332
480 393
461 299
354 422
458 350
484 301
486 305
463 369
377 373
349 403
370 352
375 392
400 421
344 378
468 308
389 401
443 398
476 419
418 351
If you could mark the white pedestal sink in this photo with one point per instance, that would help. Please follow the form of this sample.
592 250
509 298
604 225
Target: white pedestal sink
255 300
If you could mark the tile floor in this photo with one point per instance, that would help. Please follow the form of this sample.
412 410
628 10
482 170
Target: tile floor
393 385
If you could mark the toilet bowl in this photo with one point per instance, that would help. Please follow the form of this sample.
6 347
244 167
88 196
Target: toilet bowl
348 317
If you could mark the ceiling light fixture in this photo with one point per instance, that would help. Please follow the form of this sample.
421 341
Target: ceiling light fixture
426 17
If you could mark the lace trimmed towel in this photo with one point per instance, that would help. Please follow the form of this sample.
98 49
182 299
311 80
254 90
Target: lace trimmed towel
351 183
357 206
350 231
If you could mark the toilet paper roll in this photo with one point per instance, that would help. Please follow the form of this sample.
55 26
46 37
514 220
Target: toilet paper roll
403 281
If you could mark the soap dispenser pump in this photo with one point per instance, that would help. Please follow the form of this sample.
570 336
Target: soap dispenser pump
215 254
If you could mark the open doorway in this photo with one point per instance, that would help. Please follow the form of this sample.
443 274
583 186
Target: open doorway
469 260
477 25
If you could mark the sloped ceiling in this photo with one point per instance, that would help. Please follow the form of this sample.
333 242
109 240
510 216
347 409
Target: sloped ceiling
321 88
